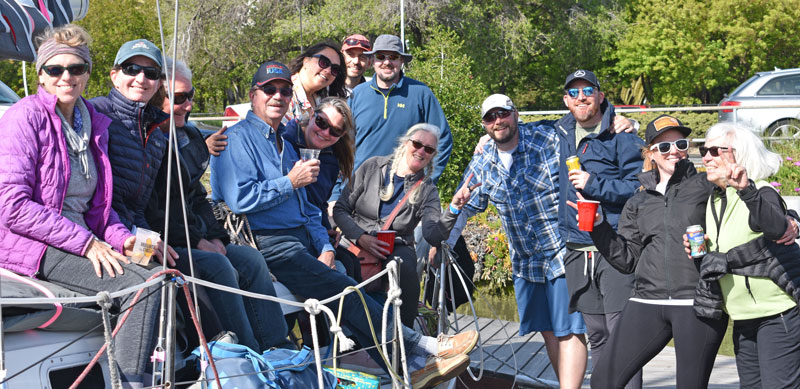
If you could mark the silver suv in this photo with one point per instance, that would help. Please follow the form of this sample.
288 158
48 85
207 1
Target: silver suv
778 87
7 98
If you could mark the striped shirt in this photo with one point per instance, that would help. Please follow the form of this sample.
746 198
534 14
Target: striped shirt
526 197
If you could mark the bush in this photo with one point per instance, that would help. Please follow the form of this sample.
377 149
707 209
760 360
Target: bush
787 179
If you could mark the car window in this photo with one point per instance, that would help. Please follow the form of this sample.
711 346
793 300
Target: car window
781 86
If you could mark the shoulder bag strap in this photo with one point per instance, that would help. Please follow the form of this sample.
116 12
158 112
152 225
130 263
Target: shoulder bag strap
396 209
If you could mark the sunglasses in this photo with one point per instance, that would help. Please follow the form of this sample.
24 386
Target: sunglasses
419 145
133 70
324 62
270 90
714 150
323 124
574 92
358 42
392 57
74 69
181 97
500 113
665 147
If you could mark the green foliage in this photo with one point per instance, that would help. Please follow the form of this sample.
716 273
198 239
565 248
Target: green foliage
787 179
497 262
693 51
443 65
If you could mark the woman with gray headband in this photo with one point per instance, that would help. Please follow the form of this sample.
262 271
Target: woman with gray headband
56 220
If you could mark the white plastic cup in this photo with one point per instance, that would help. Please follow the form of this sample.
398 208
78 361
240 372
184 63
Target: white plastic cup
145 246
306 154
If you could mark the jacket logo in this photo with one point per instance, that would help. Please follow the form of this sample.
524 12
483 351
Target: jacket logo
401 105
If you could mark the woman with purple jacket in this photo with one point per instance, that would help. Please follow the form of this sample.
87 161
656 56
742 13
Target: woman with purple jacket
56 220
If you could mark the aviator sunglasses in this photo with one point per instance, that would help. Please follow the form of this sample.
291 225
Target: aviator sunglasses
419 145
500 113
270 90
574 92
664 147
714 150
392 57
181 97
74 69
323 124
133 70
325 62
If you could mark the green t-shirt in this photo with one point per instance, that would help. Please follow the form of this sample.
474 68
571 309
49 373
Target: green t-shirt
767 297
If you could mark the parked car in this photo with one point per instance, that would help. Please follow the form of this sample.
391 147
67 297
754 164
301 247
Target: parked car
778 87
7 98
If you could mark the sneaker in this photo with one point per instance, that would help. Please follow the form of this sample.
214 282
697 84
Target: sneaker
453 345
439 370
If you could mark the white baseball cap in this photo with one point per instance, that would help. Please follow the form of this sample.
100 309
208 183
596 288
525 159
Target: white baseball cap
496 101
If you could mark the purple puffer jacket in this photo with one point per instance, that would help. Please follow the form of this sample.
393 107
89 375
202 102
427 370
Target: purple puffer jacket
34 173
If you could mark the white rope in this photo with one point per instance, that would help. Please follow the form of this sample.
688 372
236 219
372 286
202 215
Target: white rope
86 299
105 306
394 297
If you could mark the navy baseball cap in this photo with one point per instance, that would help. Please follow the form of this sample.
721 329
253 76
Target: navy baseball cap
586 75
136 47
269 71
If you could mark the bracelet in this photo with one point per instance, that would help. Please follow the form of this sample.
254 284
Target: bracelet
454 210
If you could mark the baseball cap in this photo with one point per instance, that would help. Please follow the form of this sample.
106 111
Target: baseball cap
496 101
580 74
388 42
356 41
663 123
136 47
271 70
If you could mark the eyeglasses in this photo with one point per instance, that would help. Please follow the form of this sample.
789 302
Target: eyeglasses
665 147
714 150
419 145
392 57
323 124
270 90
574 92
74 69
358 42
133 70
491 116
325 62
181 97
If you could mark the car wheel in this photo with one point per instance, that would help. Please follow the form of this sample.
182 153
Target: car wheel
789 129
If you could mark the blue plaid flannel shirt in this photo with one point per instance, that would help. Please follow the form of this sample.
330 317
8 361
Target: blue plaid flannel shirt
527 200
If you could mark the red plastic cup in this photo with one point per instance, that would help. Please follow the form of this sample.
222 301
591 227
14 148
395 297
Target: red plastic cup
388 237
586 211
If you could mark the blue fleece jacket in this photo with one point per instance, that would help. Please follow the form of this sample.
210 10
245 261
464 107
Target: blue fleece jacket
383 116
251 177
612 160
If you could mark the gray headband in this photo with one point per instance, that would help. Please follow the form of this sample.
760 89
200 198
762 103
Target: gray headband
51 48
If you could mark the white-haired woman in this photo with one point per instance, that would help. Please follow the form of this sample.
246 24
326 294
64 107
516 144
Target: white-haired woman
742 209
378 186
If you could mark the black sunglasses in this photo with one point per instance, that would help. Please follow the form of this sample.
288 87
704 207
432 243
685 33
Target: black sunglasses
714 150
574 92
491 116
325 62
392 57
270 90
74 69
323 124
181 97
665 147
358 42
419 145
133 70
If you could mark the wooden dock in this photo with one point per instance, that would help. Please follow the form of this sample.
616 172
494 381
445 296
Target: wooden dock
505 354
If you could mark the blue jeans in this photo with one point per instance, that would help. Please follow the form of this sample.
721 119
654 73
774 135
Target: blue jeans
289 257
258 323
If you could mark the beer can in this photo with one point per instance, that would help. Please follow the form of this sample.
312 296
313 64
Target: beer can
573 163
697 241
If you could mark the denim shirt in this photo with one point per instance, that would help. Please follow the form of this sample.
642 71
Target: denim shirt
526 197
250 175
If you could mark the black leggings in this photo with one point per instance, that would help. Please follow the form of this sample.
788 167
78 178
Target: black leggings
645 329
